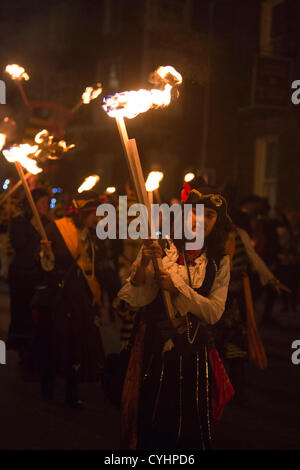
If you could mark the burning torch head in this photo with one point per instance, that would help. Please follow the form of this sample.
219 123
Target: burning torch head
131 103
165 75
16 72
22 153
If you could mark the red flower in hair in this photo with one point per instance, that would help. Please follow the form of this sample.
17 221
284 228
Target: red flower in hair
185 192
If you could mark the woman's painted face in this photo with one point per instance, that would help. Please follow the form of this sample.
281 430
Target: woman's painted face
210 218
43 205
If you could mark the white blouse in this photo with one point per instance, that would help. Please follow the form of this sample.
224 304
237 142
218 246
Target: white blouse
208 309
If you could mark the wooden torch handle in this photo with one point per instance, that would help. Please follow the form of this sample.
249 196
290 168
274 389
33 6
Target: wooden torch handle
40 226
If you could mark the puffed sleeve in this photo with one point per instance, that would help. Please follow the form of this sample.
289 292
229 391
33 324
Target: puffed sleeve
208 309
139 296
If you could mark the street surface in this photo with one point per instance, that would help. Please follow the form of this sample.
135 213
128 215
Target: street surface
269 420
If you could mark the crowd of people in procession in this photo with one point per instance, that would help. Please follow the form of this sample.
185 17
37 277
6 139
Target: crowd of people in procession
198 357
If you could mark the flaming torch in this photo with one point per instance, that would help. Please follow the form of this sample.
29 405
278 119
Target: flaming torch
89 183
88 95
152 185
49 149
2 141
20 156
17 73
189 177
129 104
110 190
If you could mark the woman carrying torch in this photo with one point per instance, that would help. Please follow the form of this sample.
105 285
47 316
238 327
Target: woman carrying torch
172 395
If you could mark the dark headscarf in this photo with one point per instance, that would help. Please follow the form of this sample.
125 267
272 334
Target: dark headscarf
199 192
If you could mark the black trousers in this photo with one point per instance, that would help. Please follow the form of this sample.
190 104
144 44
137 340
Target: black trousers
45 348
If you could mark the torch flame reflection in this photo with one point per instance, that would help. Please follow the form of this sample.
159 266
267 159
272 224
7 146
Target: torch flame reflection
16 72
89 183
19 153
131 103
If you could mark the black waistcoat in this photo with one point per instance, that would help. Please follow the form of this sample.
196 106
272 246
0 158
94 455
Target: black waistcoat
159 327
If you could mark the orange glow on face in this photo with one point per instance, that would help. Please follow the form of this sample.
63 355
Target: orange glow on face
16 72
20 153
131 103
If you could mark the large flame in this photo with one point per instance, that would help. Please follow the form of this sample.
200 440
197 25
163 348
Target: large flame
2 140
153 180
91 93
16 72
88 183
20 153
131 103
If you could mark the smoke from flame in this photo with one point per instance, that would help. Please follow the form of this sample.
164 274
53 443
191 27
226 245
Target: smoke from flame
131 103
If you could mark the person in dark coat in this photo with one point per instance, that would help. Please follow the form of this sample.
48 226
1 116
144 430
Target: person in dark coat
70 339
25 272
